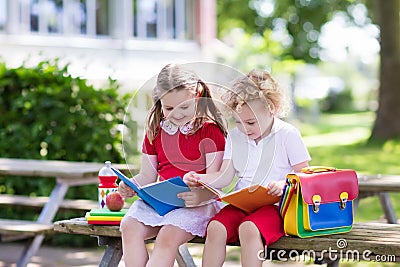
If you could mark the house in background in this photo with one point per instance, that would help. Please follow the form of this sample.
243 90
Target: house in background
125 39
128 40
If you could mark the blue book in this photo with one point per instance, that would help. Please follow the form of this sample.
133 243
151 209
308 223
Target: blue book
161 196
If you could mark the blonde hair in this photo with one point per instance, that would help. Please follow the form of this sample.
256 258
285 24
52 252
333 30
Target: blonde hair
175 77
257 85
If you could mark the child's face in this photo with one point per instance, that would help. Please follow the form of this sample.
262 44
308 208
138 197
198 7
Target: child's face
255 120
178 106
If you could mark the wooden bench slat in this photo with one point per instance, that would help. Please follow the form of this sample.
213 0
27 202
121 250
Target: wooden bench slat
19 226
377 226
370 234
38 202
377 184
80 226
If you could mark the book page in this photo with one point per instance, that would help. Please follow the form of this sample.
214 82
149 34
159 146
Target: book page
216 191
131 183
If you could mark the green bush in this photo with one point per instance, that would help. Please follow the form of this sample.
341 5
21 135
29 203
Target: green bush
48 114
338 101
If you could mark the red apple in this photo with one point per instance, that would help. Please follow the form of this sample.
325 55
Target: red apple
114 201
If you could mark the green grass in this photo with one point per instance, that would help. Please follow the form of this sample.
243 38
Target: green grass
339 140
331 123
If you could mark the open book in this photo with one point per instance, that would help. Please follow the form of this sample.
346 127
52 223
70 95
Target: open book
161 196
248 199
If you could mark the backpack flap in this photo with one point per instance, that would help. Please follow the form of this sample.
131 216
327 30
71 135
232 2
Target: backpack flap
328 198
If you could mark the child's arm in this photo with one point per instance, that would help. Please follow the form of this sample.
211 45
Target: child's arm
298 167
218 179
197 196
147 174
276 188
214 161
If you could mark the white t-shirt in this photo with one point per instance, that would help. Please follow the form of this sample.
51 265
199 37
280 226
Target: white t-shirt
269 160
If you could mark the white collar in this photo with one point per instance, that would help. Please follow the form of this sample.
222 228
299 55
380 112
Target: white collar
171 128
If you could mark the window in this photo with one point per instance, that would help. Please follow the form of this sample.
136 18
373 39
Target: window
164 19
3 14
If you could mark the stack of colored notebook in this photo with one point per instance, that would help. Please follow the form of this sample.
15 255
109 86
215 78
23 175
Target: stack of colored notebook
105 216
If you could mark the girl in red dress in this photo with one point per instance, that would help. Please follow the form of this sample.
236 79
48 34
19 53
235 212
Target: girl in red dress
184 133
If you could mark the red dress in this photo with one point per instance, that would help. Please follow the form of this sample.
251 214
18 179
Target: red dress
179 153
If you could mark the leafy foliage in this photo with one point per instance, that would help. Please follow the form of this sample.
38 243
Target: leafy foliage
300 20
48 114
235 14
303 21
337 102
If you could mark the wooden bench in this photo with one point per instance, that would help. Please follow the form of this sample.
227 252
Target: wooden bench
66 174
367 242
380 185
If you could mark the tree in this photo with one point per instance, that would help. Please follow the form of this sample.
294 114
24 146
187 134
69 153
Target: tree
302 21
387 124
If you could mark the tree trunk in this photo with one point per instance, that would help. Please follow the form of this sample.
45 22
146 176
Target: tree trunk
387 123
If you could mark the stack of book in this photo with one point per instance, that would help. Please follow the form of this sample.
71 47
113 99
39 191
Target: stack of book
105 216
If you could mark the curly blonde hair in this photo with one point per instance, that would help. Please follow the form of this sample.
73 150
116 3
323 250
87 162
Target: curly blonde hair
257 85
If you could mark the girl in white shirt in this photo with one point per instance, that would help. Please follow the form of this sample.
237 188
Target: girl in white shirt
261 150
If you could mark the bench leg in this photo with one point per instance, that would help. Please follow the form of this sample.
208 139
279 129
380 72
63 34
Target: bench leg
387 207
183 258
113 254
329 263
30 250
333 264
356 202
46 216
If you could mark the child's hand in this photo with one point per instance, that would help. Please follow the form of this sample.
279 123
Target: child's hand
125 191
275 188
191 179
196 196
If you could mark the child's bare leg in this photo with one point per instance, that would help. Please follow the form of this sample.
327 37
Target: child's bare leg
215 246
166 245
133 234
251 244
